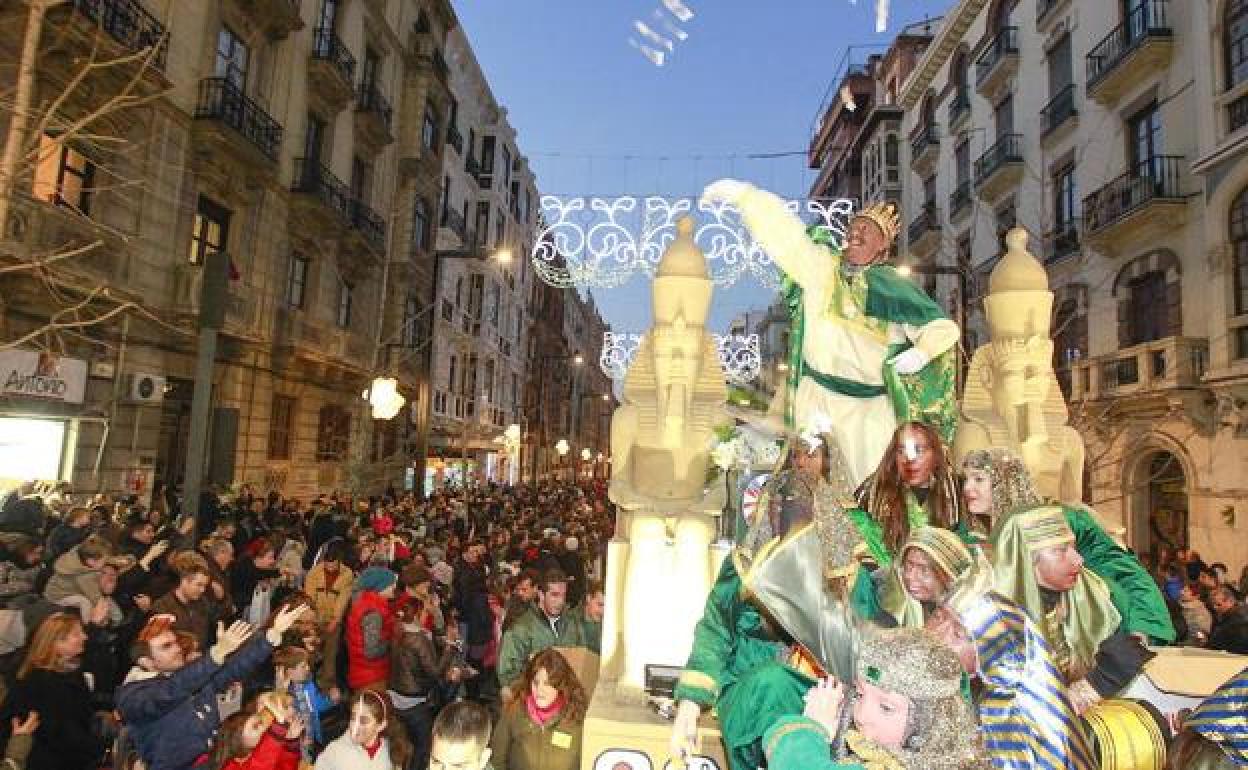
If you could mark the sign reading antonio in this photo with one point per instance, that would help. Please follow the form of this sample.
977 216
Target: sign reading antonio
29 374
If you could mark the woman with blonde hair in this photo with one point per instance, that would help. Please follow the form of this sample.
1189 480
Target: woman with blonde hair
51 682
540 729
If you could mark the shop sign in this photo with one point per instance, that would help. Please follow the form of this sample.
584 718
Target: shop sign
30 374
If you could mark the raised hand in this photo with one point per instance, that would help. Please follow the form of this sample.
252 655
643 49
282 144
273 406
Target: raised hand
823 704
230 639
287 616
25 726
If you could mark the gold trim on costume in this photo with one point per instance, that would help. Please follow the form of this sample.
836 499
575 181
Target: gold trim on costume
793 727
699 679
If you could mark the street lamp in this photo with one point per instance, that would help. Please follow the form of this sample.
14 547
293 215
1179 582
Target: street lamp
562 448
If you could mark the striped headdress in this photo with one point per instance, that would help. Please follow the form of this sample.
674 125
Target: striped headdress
1026 717
1223 719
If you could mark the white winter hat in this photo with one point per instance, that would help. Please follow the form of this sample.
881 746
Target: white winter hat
571 543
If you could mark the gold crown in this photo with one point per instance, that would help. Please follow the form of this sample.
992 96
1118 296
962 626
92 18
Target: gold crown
884 215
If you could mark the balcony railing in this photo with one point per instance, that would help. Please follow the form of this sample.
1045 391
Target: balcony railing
440 67
471 164
959 199
455 139
927 138
1003 45
370 99
1237 113
314 179
1065 241
1164 364
927 221
1008 149
129 24
1060 109
959 107
1152 179
327 46
454 221
221 100
1148 19
369 223
1043 7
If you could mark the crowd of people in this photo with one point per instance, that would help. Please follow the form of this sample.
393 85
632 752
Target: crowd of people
270 632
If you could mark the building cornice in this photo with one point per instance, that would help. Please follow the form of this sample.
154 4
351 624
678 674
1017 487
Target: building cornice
947 40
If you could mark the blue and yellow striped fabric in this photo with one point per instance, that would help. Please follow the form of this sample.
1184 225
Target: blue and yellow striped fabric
1026 717
1223 718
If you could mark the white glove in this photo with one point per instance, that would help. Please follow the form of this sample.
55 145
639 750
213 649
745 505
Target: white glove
724 191
910 361
684 741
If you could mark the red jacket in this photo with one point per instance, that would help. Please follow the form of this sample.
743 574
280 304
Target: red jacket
362 670
273 752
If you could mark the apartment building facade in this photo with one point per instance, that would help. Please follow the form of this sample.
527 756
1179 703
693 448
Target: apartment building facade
485 217
1114 133
286 135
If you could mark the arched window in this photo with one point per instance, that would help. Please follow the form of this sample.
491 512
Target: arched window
420 225
1235 41
1239 249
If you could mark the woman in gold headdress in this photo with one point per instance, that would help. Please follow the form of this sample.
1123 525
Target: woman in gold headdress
905 712
998 483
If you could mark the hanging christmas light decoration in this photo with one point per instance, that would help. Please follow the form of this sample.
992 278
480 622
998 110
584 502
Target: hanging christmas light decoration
603 242
740 355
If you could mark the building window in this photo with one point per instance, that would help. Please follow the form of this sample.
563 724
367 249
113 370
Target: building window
209 231
429 130
343 316
1146 139
1007 217
420 225
281 425
333 433
1239 248
314 138
1061 66
232 60
1235 26
63 175
1070 337
411 309
483 223
487 154
1064 199
1003 114
297 280
361 179
452 375
329 14
370 70
1144 322
962 162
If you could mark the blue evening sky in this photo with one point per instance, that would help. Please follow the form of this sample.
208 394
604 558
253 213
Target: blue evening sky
748 79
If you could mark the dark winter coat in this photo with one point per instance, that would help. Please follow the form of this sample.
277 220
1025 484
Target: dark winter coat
65 739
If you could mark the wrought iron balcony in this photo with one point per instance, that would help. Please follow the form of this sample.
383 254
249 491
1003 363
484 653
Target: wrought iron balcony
1237 114
1153 180
1060 109
369 224
440 67
333 65
925 146
960 200
959 109
129 23
370 102
1044 8
454 221
1138 45
221 100
1008 151
1064 241
1000 56
311 178
455 139
924 230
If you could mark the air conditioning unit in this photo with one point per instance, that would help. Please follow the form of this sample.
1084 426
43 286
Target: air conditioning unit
147 388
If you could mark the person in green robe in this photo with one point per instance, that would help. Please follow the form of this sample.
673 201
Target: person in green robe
744 662
1036 564
868 347
997 482
914 486
905 712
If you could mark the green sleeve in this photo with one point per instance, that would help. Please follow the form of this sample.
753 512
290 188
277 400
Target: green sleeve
500 743
707 671
800 743
1134 592
863 597
872 534
514 654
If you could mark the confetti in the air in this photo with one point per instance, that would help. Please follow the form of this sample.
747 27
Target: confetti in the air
657 58
679 10
657 45
652 36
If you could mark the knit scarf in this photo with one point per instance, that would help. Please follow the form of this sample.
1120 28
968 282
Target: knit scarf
543 716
